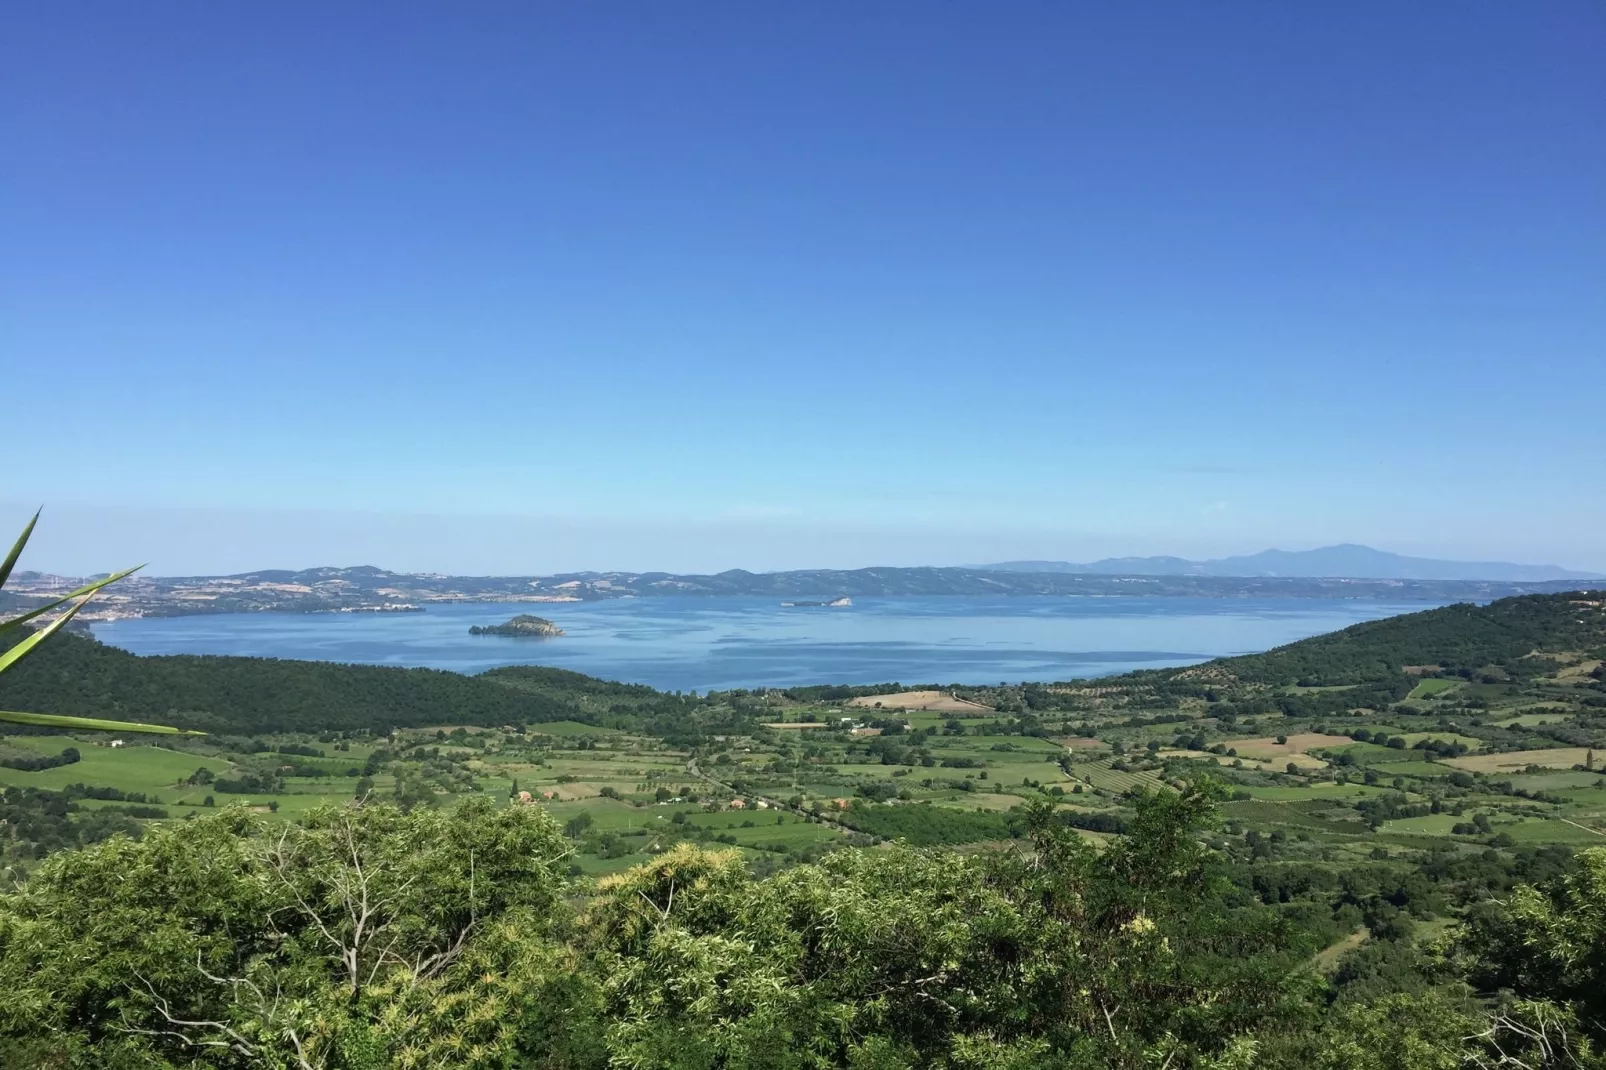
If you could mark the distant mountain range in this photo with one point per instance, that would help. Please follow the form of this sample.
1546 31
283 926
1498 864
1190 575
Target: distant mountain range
1346 561
366 589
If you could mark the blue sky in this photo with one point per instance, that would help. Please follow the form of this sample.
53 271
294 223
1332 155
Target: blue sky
532 287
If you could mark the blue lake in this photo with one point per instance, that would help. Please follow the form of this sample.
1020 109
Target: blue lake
701 644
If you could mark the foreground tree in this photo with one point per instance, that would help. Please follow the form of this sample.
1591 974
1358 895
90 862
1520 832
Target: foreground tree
1061 957
373 937
359 937
1542 953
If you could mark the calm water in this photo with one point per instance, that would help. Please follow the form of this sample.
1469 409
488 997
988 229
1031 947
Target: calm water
713 643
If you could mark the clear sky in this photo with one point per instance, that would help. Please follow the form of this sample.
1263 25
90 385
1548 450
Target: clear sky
532 287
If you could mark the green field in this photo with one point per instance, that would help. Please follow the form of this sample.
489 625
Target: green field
571 729
1365 753
1418 769
1433 686
1102 776
1554 832
1472 743
1313 792
1528 719
1431 824
623 786
132 768
1555 781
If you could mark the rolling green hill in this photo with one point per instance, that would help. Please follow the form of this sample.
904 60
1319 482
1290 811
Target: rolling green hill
78 676
1458 636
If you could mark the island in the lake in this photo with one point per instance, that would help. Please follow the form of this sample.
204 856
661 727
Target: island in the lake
522 625
835 602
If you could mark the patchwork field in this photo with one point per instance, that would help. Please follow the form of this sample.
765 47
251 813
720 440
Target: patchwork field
1260 764
1557 831
1295 749
1529 719
1314 771
1516 761
1472 743
1435 686
785 794
938 701
1408 768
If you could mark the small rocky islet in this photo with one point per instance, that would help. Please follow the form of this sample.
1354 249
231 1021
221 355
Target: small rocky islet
523 625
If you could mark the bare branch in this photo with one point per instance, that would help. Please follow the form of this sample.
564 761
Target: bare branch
235 1041
432 965
279 864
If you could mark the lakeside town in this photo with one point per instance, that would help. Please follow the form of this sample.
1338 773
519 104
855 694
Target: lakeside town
368 589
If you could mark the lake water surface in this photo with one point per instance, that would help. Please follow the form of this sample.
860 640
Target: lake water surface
703 643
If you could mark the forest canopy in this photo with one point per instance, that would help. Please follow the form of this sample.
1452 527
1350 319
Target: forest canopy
366 936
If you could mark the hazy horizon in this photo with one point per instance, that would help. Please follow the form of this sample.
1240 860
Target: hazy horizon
79 540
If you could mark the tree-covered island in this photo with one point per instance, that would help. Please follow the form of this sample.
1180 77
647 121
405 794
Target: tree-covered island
522 625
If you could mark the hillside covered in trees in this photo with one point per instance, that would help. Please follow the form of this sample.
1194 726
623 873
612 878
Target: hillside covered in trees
1462 636
371 937
78 676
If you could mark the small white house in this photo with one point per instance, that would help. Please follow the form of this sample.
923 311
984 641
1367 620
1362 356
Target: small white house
117 743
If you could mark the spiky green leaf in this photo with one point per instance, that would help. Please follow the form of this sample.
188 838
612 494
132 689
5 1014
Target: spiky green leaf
10 657
16 549
82 592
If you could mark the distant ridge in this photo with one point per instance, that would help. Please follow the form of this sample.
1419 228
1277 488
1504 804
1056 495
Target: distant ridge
1345 561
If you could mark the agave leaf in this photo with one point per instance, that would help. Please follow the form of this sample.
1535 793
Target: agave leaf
10 657
82 592
16 549
91 724
15 654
